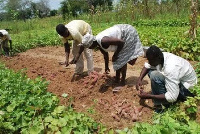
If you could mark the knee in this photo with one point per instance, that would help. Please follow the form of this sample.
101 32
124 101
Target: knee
155 76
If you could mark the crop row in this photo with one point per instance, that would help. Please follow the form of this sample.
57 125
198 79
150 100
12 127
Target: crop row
26 107
171 39
163 23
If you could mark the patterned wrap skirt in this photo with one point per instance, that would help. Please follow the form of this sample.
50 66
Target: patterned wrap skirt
132 48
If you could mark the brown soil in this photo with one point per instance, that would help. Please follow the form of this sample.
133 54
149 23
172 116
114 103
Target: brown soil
98 101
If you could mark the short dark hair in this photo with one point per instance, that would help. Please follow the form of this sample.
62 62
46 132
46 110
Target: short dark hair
1 34
154 52
60 28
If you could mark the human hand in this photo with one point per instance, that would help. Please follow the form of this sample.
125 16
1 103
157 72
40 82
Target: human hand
72 61
66 63
75 59
143 95
139 85
107 71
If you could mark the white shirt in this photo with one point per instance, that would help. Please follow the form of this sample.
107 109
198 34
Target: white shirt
114 32
77 29
5 35
175 70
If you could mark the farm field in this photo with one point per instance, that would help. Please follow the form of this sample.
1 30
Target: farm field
99 102
40 96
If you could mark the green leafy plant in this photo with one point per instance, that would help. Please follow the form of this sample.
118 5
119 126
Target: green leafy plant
197 69
26 107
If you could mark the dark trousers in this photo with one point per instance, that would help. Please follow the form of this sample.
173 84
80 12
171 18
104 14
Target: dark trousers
4 45
158 87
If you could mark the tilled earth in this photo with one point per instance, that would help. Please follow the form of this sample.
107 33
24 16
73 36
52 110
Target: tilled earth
92 95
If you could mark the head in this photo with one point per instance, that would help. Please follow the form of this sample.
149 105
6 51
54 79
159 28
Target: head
154 56
62 30
88 41
1 34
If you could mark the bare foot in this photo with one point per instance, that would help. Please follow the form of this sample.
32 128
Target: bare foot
75 77
123 83
116 80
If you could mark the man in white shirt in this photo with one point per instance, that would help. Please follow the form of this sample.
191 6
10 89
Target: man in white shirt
4 39
75 30
171 77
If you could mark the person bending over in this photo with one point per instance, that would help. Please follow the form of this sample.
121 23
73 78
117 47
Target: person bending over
4 39
123 40
75 30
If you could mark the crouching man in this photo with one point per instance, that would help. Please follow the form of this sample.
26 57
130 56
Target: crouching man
171 78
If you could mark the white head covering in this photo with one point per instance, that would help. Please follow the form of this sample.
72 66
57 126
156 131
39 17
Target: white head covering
87 40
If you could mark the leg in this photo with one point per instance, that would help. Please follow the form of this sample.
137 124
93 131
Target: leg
80 63
123 71
117 77
132 62
89 58
5 47
184 93
158 86
6 50
1 48
89 55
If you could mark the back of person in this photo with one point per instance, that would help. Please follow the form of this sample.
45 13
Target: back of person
113 31
79 25
175 66
3 31
5 35
4 39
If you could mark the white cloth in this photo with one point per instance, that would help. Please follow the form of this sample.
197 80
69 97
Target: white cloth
110 32
87 40
80 63
114 31
77 29
175 70
6 36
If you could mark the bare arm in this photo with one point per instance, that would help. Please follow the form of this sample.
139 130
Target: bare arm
145 95
78 55
106 60
107 41
67 52
142 75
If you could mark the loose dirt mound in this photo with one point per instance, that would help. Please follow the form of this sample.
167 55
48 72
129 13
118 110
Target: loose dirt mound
91 95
